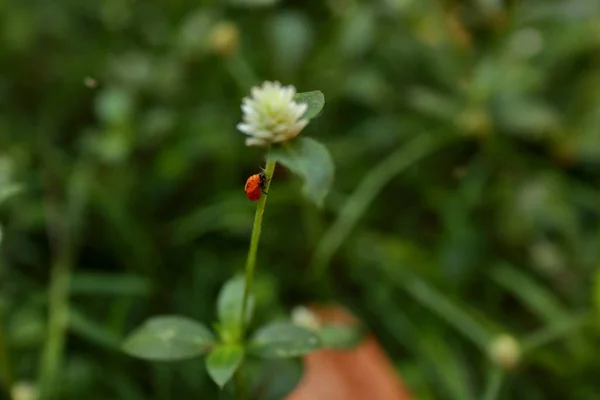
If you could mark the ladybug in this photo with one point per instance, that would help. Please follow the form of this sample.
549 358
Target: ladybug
255 185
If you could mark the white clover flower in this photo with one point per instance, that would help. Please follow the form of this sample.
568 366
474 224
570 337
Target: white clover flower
271 115
24 391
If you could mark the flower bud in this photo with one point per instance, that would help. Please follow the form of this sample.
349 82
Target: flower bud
505 351
24 391
224 38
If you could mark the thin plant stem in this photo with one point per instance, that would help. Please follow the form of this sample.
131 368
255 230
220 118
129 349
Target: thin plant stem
240 383
494 384
251 261
554 332
250 267
59 233
6 371
6 374
57 327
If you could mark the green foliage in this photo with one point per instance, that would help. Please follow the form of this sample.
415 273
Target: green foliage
229 308
169 338
283 340
311 160
464 206
314 100
340 336
223 361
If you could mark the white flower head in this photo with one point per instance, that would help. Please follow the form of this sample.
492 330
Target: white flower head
271 115
24 391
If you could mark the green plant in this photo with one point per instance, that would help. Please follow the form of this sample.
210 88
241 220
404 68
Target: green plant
466 147
171 337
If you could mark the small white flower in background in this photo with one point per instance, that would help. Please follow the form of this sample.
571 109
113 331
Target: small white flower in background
305 318
24 391
271 115
505 351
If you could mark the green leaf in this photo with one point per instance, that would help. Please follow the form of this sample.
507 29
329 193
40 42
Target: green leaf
340 337
448 365
277 378
535 296
283 340
109 284
91 330
315 101
169 338
310 160
223 361
10 190
229 305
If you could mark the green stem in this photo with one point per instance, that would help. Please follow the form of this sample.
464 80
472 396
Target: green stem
251 261
59 234
494 384
240 382
57 327
5 364
250 266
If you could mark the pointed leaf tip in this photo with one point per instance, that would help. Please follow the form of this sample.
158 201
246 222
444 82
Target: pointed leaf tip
315 100
223 361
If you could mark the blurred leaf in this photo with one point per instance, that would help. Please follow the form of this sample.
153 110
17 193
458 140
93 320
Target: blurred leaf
540 300
494 383
194 32
229 307
525 116
277 378
169 338
448 364
432 103
283 340
451 311
223 361
340 336
89 283
10 190
358 30
292 37
596 294
254 3
310 160
92 330
555 331
114 106
315 101
226 212
364 194
26 328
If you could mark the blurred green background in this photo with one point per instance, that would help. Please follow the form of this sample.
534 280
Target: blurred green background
466 204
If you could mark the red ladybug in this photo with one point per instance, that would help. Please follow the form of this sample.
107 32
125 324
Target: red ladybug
255 185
